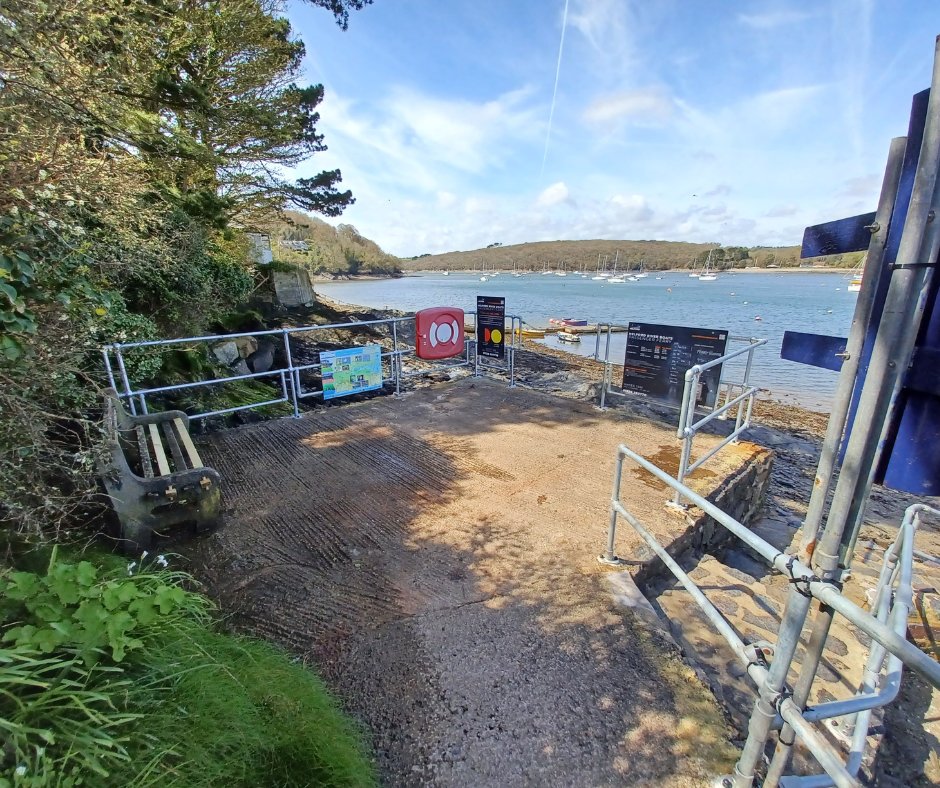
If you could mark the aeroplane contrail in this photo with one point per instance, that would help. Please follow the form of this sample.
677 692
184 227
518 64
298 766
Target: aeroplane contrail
551 114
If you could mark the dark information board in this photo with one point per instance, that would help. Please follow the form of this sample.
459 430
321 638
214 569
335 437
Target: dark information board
491 326
658 356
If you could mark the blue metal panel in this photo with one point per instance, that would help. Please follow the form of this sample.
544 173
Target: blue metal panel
905 188
817 350
838 237
911 458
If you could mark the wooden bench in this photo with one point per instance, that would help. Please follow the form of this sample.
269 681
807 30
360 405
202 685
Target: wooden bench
155 476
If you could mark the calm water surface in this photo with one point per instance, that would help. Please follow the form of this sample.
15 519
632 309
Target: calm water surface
817 303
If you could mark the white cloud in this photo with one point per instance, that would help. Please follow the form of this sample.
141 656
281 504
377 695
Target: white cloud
609 26
645 107
446 199
720 190
779 211
555 194
768 20
420 140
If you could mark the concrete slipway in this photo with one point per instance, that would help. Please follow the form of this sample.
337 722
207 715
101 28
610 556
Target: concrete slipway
434 556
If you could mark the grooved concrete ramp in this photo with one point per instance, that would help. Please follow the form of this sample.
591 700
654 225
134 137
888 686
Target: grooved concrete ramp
434 555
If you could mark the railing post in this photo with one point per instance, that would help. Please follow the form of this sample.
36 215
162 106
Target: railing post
686 413
294 375
106 352
124 379
396 360
609 557
764 712
512 348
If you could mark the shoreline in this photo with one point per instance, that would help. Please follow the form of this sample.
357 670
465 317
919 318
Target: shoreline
675 271
584 371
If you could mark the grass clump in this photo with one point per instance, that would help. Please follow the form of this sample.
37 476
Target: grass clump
116 676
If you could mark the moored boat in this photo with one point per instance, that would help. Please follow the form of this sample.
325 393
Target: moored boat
564 336
531 333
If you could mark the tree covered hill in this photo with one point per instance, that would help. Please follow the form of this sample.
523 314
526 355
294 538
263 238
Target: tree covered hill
319 247
654 255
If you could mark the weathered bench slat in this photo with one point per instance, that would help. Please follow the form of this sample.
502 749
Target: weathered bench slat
145 464
139 447
158 452
194 459
174 445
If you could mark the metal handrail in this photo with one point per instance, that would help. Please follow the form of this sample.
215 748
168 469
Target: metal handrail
886 629
688 428
291 386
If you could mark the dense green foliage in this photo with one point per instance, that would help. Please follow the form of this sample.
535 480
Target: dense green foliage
322 249
653 255
117 677
138 140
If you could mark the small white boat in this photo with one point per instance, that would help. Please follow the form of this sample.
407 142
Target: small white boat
707 278
855 285
564 336
616 280
484 278
446 273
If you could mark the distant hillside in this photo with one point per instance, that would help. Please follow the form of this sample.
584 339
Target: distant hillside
323 249
655 255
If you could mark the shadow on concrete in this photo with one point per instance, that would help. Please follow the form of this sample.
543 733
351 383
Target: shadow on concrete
438 568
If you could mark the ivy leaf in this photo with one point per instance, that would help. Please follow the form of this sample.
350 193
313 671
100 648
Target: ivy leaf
92 615
145 610
21 636
22 585
86 573
169 597
62 582
119 594
46 608
46 639
118 624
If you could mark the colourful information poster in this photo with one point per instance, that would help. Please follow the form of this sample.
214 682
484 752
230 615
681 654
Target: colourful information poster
491 326
351 371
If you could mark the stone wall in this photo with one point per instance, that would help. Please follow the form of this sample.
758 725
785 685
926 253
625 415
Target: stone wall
741 495
293 287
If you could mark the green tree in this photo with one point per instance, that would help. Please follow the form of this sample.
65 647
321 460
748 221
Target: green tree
222 95
131 132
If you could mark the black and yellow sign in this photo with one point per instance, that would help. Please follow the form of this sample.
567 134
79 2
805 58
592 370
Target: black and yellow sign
491 326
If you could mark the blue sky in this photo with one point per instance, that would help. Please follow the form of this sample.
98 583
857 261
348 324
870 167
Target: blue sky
694 120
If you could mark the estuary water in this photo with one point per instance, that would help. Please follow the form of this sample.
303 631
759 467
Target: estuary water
810 302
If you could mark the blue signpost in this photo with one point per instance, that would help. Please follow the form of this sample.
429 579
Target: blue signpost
909 460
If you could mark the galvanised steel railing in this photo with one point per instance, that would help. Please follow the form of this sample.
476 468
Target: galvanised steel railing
775 705
689 427
740 393
292 391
